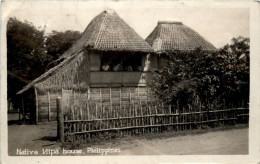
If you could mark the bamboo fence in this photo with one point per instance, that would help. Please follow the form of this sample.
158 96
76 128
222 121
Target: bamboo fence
140 118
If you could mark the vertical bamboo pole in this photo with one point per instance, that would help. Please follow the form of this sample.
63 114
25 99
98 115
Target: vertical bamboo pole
114 112
136 123
24 112
88 117
170 117
141 108
200 115
190 118
110 102
147 94
150 118
156 118
107 117
36 103
81 118
120 105
122 121
73 93
124 111
19 111
177 116
49 106
138 95
60 131
100 95
96 110
129 95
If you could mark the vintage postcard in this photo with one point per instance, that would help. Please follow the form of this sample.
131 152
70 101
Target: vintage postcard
130 81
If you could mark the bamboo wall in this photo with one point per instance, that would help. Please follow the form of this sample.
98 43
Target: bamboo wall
105 97
46 102
119 96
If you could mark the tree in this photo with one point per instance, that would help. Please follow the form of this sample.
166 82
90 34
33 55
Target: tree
26 55
187 76
29 51
59 42
207 77
236 75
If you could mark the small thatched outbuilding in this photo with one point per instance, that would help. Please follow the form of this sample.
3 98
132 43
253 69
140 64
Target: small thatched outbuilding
169 36
107 65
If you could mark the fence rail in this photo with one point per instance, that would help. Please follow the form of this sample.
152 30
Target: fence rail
142 119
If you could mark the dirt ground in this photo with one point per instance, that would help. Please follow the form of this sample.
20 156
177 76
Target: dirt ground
219 141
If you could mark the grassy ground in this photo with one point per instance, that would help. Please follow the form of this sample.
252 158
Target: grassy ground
221 140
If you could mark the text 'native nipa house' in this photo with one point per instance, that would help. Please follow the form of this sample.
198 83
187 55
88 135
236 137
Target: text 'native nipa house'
106 66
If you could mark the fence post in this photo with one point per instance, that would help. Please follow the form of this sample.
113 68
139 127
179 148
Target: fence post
60 127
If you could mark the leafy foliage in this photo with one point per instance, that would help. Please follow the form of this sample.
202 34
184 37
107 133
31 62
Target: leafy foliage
25 49
199 76
29 51
58 42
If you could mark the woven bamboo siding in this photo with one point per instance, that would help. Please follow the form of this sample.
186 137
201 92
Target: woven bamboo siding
118 96
115 97
125 96
53 105
43 106
47 107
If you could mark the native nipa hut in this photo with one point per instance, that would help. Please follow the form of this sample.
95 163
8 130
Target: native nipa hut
169 36
107 65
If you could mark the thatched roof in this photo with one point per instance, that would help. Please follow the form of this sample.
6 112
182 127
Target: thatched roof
63 75
171 36
107 31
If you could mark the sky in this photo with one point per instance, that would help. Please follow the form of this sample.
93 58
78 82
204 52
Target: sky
217 23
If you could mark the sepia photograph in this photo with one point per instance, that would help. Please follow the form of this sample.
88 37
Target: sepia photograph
127 78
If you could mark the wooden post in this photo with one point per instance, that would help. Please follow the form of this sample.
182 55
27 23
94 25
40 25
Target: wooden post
49 107
138 95
224 104
100 94
120 98
177 116
147 95
129 95
96 110
88 115
19 114
60 128
24 111
110 98
36 104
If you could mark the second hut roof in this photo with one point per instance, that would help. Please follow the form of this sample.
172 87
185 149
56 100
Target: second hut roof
171 36
107 31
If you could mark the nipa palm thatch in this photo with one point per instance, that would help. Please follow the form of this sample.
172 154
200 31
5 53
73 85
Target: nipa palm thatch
68 74
108 31
172 36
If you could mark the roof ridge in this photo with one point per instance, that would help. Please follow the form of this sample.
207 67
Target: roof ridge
170 22
101 28
178 37
160 32
123 22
